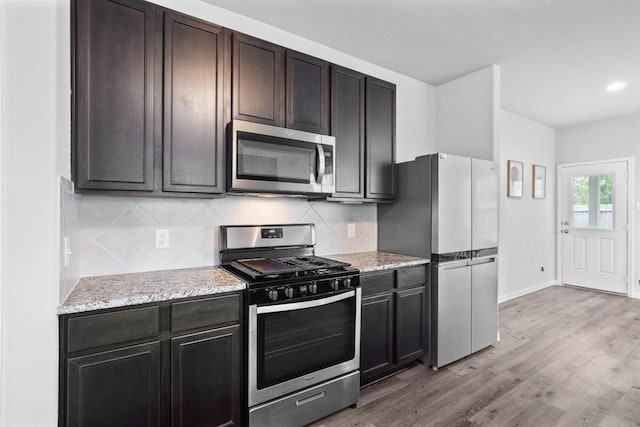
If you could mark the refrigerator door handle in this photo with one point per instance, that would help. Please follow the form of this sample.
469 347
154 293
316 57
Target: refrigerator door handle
454 265
480 261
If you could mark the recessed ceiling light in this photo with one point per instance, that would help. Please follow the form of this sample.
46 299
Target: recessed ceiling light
616 86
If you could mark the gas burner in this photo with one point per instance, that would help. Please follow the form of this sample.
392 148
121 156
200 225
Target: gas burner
287 267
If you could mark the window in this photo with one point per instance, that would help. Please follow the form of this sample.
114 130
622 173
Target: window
593 201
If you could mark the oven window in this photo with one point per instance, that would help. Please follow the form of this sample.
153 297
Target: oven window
300 342
272 159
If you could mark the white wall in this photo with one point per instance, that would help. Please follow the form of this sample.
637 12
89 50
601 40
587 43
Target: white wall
30 212
527 225
601 140
468 114
415 100
1 204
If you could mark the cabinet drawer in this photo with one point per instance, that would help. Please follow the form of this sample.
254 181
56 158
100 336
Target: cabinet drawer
376 283
414 276
111 328
205 312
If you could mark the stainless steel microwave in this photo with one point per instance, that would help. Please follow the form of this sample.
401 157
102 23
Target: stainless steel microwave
269 159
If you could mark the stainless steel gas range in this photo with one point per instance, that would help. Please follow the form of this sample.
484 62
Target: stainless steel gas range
303 315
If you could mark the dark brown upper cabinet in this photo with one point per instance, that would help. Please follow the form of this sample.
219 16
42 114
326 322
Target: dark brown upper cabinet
113 95
194 105
347 126
258 81
307 90
380 138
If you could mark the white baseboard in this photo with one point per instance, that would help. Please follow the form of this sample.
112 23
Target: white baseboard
520 292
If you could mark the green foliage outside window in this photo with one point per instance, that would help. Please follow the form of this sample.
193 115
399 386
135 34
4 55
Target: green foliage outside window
581 190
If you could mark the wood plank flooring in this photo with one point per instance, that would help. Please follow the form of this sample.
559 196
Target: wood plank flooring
567 357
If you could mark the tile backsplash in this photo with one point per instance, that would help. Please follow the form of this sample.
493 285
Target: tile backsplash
110 235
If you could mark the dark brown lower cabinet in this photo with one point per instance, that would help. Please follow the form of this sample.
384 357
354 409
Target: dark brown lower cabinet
115 388
410 324
178 364
205 383
376 338
393 329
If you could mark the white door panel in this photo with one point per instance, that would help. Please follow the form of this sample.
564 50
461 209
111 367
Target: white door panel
594 226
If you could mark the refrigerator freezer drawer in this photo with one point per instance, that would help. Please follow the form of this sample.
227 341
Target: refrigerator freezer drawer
454 313
484 304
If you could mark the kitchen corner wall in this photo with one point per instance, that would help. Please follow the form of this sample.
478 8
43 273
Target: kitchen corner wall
468 114
111 235
527 225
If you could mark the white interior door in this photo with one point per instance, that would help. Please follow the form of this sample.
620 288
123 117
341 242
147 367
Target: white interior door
594 226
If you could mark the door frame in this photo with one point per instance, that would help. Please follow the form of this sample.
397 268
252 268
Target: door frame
2 203
630 217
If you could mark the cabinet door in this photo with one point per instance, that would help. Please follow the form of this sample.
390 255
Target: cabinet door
381 138
347 126
410 324
258 81
194 113
205 381
376 338
114 92
484 304
115 388
307 80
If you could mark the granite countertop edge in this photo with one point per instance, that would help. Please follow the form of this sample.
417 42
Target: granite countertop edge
399 264
146 299
365 262
371 261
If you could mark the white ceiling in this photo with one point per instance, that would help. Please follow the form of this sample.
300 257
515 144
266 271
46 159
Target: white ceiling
556 55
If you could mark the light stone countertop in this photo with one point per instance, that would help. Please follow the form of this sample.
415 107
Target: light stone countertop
100 292
374 261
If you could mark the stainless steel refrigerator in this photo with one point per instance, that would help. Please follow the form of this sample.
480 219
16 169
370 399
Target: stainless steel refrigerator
447 210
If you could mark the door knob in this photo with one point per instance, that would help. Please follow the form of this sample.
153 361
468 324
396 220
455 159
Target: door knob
565 231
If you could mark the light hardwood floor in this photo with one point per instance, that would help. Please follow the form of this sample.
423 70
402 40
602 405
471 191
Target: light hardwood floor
567 357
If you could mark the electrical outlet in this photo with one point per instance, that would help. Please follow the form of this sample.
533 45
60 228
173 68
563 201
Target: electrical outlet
542 268
351 230
162 238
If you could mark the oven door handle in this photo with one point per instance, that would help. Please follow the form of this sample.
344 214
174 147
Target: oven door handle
322 164
305 304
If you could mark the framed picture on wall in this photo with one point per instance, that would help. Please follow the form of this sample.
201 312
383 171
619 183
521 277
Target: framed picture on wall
539 182
514 178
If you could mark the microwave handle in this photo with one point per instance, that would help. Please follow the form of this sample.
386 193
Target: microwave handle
322 165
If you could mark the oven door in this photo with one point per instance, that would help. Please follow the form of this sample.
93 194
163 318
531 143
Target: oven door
278 160
296 345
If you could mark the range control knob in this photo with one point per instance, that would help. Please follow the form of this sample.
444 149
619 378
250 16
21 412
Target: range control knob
335 285
303 290
288 292
313 288
272 294
347 282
